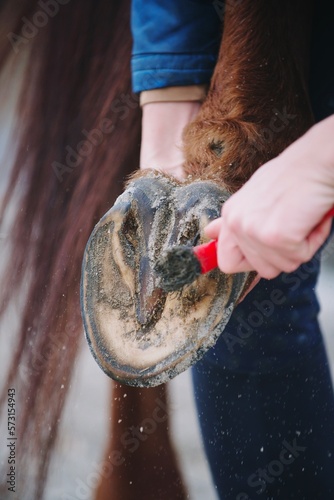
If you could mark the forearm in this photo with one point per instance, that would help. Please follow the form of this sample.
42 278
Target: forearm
174 43
316 147
175 46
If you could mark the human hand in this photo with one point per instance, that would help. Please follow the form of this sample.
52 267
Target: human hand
274 222
162 128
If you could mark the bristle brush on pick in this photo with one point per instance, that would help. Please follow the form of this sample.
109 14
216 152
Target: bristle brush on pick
181 265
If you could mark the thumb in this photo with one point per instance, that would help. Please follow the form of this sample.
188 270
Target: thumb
213 228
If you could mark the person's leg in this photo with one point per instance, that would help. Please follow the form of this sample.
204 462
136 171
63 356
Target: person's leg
271 435
265 392
251 412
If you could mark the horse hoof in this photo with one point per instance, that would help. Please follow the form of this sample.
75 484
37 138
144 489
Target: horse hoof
138 333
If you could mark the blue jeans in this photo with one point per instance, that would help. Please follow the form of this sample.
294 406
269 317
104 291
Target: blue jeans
265 399
269 435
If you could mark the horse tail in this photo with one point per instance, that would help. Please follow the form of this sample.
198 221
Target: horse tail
78 129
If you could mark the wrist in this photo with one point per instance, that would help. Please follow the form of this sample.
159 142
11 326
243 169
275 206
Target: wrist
312 155
162 128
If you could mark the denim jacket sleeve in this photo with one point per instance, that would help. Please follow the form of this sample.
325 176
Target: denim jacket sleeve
175 42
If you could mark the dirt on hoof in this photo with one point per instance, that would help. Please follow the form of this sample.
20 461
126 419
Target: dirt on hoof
138 333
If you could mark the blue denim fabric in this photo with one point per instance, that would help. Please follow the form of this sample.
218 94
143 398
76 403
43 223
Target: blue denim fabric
274 324
248 419
174 43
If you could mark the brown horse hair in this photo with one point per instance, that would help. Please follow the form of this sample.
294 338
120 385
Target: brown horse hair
79 135
258 100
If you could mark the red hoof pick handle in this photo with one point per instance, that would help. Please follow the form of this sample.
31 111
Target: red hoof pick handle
181 265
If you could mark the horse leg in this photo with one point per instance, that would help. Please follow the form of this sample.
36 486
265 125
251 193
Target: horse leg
139 461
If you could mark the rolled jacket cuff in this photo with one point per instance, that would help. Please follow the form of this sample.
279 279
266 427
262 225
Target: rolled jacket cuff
171 70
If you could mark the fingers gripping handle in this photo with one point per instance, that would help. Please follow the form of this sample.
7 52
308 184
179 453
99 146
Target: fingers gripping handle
207 255
207 252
